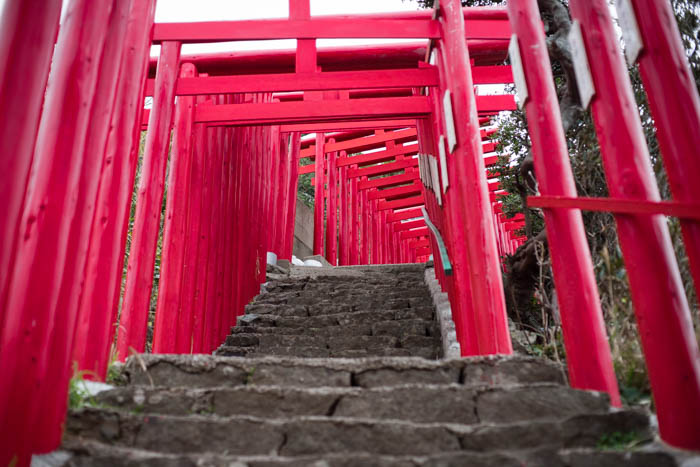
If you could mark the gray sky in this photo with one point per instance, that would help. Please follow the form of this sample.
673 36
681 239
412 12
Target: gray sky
230 10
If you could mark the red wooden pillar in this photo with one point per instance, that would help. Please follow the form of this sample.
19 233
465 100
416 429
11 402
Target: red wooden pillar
175 224
354 259
375 230
85 193
139 276
292 185
187 340
343 225
587 350
319 194
675 106
39 360
103 271
332 222
364 219
661 307
467 156
28 31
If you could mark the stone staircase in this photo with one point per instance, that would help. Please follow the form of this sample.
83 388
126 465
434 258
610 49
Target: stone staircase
339 367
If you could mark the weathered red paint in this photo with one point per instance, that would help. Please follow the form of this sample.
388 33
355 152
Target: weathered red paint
661 307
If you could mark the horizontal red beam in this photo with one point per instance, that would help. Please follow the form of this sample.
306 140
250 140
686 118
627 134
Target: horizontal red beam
375 157
618 206
414 233
354 27
312 111
364 143
403 215
339 126
281 82
424 251
387 181
419 243
409 225
495 103
402 191
492 74
382 169
401 203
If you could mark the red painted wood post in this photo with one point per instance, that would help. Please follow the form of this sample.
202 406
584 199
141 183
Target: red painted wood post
59 362
167 317
484 266
103 272
191 311
27 34
189 266
661 307
46 224
354 252
343 231
139 275
292 186
675 106
229 258
364 219
375 229
280 154
588 353
319 194
219 316
214 180
452 221
332 222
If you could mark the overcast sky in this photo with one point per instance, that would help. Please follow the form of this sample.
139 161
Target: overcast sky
229 10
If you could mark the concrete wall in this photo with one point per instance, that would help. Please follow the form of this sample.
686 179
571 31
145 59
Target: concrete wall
303 231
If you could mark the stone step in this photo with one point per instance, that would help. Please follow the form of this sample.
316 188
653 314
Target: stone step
335 319
210 371
431 352
90 454
414 402
246 435
339 342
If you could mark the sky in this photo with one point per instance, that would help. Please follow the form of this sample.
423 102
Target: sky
230 10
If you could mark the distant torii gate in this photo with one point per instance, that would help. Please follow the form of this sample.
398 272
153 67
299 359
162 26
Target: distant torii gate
236 121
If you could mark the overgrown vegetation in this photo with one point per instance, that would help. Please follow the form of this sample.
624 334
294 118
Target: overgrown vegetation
531 297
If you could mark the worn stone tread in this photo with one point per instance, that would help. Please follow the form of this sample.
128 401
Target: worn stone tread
305 435
413 402
210 371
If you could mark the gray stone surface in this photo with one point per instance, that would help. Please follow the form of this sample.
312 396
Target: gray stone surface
339 367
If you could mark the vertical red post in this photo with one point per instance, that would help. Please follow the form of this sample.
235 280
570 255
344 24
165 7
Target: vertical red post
332 222
27 34
364 214
675 106
319 193
354 259
36 291
103 271
661 307
292 186
139 275
484 266
343 226
585 338
175 223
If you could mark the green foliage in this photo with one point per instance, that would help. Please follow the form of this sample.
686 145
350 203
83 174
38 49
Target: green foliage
610 270
305 190
618 440
78 394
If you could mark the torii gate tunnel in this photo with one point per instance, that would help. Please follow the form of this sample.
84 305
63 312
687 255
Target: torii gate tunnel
400 145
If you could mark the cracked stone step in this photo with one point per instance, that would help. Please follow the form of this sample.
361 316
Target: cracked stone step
417 402
245 435
95 454
209 371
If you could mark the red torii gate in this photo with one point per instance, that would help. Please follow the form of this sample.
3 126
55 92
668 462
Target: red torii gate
234 168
